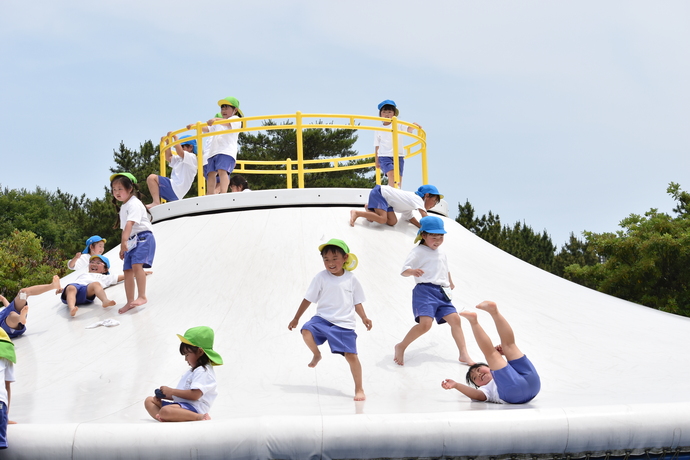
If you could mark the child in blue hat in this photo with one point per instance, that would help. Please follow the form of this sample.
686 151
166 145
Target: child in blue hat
184 166
383 143
339 296
95 246
13 316
385 201
431 294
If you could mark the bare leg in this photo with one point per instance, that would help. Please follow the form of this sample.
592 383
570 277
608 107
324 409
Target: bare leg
224 181
309 340
71 298
154 190
493 357
391 179
453 321
505 332
95 289
15 318
211 183
378 215
391 218
356 369
153 406
417 331
174 413
41 288
129 290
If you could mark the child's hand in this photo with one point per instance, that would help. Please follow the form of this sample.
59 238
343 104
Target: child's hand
499 348
416 272
149 272
122 254
367 322
448 384
167 391
293 324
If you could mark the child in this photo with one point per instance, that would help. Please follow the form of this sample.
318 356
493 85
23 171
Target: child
95 246
195 393
223 149
137 245
383 144
13 316
184 167
385 201
339 296
512 382
238 184
7 361
431 295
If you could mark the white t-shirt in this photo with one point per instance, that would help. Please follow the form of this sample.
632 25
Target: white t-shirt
6 375
336 297
402 201
225 143
433 262
384 141
134 210
202 378
183 173
491 392
88 278
82 262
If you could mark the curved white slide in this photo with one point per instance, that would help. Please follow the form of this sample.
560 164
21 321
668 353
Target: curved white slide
614 374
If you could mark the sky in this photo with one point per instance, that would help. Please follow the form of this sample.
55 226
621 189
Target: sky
568 116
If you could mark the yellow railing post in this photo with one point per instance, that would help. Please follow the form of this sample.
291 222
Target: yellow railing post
425 169
300 150
288 172
200 178
165 144
396 158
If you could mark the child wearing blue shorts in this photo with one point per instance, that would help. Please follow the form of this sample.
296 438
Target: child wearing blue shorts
431 295
385 201
137 245
7 361
13 316
513 382
383 144
184 166
339 296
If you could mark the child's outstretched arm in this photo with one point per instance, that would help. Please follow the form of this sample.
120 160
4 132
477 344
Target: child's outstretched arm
300 311
73 261
450 280
470 392
192 395
4 301
359 309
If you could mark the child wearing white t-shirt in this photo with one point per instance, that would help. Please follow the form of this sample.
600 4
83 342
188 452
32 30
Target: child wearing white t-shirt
95 246
384 201
184 166
339 296
431 294
383 144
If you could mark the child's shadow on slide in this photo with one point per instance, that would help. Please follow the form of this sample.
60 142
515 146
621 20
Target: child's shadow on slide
309 389
414 358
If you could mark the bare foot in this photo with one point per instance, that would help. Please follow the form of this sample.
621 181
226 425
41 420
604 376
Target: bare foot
109 303
139 301
56 284
359 395
399 357
126 308
10 422
469 316
158 417
488 306
23 313
73 310
315 361
466 360
206 417
353 217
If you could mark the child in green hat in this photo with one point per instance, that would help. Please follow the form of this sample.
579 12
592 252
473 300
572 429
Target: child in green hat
7 360
196 391
339 296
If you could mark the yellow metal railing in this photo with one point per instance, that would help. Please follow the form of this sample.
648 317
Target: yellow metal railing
299 166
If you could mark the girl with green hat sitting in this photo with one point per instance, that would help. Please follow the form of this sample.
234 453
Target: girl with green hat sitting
196 391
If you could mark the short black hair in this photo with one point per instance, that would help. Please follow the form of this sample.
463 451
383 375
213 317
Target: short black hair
333 248
187 348
387 107
468 377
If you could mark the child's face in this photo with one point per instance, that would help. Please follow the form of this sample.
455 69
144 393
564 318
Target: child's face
97 248
193 356
387 113
188 147
120 192
430 201
334 261
433 240
227 110
481 376
97 266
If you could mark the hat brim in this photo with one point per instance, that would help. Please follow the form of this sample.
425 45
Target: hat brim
7 351
213 356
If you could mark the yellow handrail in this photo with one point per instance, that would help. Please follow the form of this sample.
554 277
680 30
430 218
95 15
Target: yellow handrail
354 122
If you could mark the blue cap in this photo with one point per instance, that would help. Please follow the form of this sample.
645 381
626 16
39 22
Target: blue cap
424 189
430 224
90 241
389 102
105 261
191 142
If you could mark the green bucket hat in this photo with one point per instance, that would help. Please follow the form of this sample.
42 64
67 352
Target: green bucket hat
126 174
351 262
7 347
202 337
233 102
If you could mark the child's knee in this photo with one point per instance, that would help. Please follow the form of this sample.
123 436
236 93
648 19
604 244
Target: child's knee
351 357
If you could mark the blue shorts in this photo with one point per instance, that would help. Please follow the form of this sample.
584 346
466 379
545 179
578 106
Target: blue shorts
142 253
3 425
181 404
429 300
165 189
206 173
340 340
220 162
82 297
386 164
377 201
4 313
518 382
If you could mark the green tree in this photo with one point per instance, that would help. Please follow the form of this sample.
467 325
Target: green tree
575 252
645 262
140 163
23 263
318 143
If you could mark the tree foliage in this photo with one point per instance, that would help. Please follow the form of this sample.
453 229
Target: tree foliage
24 263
